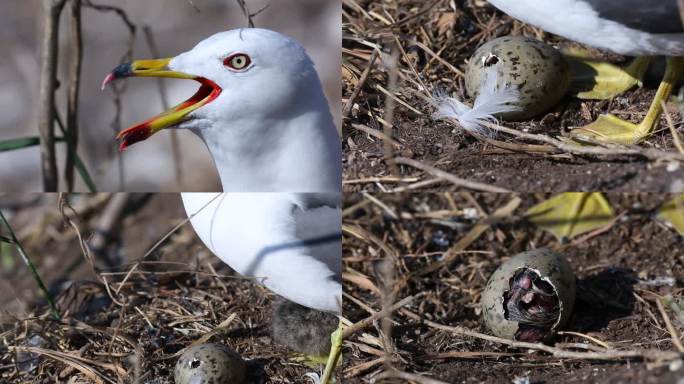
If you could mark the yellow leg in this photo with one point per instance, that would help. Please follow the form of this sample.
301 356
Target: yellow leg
599 80
611 129
672 212
310 360
334 356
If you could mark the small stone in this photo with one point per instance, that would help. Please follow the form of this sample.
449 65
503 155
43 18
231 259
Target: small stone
673 166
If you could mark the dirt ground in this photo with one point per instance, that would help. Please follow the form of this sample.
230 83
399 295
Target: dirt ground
179 294
453 34
621 272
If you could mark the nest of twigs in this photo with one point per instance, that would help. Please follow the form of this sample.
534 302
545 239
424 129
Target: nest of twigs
130 322
139 337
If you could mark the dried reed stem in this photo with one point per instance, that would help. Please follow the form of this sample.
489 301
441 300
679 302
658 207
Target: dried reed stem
48 85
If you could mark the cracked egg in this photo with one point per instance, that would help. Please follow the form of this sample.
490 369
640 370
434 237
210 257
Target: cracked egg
530 296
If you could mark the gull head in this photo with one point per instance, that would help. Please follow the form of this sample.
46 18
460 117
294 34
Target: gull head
244 74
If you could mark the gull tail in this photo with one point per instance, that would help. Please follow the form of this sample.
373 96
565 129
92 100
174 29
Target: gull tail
490 101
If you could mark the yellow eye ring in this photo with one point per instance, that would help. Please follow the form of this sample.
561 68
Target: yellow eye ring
237 62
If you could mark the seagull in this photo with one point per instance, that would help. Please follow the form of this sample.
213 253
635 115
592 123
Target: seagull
291 243
260 109
627 27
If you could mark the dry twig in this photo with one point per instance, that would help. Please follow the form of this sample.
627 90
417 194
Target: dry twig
648 354
118 89
352 329
675 136
71 134
670 328
396 374
392 64
250 16
359 85
48 85
457 181
600 149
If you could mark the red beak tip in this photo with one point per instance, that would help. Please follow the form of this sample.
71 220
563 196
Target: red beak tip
108 79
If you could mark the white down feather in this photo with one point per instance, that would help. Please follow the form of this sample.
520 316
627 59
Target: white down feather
491 100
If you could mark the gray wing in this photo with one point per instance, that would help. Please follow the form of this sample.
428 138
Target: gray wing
315 200
652 16
319 225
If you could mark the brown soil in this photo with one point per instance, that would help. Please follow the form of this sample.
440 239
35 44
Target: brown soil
455 34
178 295
621 271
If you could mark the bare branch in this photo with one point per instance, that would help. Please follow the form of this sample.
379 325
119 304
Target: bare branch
71 134
123 16
118 89
250 16
48 85
245 11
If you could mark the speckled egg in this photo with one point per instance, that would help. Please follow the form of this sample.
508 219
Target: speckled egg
538 70
548 273
210 364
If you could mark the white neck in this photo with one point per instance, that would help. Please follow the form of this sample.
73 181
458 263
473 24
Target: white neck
297 154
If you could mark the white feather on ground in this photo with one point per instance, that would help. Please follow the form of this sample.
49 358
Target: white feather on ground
490 101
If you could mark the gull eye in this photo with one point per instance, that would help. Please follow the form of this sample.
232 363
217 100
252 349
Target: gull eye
238 61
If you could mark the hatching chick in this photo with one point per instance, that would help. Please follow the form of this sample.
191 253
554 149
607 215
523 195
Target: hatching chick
533 303
303 329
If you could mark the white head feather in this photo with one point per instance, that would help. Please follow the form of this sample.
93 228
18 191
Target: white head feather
270 130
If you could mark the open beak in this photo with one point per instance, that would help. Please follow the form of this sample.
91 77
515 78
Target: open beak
207 92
